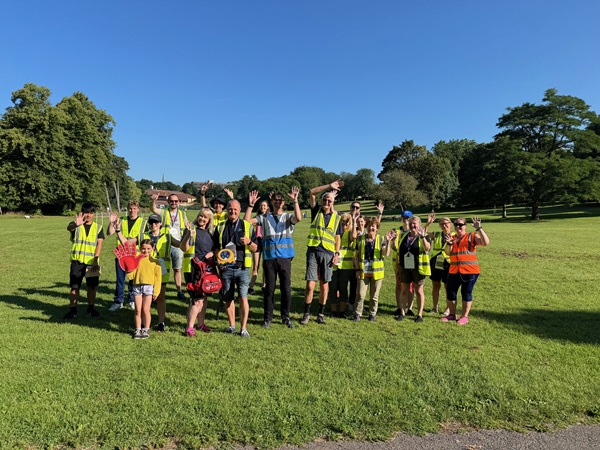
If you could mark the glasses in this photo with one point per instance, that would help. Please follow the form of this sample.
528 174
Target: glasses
459 225
173 201
326 200
355 207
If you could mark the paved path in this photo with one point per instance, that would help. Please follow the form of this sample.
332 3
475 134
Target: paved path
577 437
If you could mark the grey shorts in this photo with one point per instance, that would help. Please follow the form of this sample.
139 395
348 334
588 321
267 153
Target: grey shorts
143 289
318 265
176 258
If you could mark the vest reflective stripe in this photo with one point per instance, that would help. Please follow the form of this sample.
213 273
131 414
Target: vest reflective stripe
136 232
463 257
84 245
378 265
277 238
438 246
247 251
219 218
424 267
163 251
347 250
320 234
186 265
166 220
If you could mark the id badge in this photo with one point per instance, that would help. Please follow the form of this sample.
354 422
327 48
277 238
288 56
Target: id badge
439 262
409 261
368 267
231 246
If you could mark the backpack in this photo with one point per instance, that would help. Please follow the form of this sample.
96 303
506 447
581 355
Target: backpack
205 281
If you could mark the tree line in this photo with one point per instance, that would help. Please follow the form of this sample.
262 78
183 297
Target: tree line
54 157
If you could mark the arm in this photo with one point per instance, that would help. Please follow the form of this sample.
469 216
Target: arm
425 238
336 185
112 226
185 243
203 190
78 222
252 199
294 196
153 206
380 207
430 220
390 238
481 238
97 253
357 263
229 193
157 281
336 255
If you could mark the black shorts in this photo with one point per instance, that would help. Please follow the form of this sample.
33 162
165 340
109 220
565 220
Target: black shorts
77 274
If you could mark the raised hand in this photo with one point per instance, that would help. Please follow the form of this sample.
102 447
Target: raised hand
154 196
449 239
204 188
337 185
476 222
431 217
391 235
253 197
114 217
126 254
294 194
79 219
229 192
380 207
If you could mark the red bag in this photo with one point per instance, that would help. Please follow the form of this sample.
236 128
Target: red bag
206 281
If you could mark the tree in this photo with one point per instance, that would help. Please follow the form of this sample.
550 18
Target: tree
398 189
359 185
548 134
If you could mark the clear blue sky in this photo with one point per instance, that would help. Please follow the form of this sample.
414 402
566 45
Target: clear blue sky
221 89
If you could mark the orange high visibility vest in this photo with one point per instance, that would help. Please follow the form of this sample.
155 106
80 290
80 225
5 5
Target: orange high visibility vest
463 258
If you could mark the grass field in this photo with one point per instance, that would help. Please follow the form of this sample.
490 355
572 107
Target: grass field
529 359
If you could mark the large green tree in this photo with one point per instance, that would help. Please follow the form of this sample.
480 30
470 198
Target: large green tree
548 133
398 189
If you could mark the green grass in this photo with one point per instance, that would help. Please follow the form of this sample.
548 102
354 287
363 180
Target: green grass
529 358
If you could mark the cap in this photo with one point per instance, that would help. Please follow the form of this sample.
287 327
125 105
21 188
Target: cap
407 213
154 218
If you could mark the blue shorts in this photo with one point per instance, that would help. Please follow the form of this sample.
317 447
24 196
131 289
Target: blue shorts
462 281
232 277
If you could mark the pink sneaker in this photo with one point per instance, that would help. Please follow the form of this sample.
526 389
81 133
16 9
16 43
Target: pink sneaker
463 320
204 328
189 332
449 318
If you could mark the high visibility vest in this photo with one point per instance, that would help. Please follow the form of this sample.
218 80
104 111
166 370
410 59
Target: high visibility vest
166 220
137 231
424 267
84 244
378 265
347 250
463 257
163 251
219 218
319 234
277 238
247 233
186 265
437 246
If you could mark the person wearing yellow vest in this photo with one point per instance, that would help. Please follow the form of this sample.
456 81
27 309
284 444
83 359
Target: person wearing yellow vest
323 247
238 236
86 245
413 259
162 252
439 260
371 248
343 272
217 204
464 267
130 228
399 314
173 222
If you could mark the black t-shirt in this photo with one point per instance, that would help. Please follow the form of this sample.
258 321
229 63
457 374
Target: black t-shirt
87 230
233 232
413 247
203 243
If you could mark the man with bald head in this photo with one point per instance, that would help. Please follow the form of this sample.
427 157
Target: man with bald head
238 236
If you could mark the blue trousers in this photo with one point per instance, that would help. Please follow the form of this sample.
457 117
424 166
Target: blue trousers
120 286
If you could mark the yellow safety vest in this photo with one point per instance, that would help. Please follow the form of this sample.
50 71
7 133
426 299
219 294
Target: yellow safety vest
219 218
163 251
347 250
424 267
319 234
186 266
166 220
84 245
247 231
378 265
136 232
437 247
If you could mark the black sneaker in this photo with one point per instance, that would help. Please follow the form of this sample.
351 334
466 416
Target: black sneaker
321 319
71 314
267 324
181 296
305 319
410 313
92 312
372 318
160 327
250 291
419 319
356 318
400 317
398 312
288 323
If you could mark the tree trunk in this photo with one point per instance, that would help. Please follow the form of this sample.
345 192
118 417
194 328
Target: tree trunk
504 212
535 211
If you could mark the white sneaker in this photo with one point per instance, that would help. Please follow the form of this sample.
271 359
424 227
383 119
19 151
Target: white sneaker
115 306
131 306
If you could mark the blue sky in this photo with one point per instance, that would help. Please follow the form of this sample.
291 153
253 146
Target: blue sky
217 90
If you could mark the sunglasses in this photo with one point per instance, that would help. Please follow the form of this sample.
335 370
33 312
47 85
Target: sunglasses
355 207
326 200
173 201
459 224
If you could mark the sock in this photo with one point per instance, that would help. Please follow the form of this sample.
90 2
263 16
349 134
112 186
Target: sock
321 309
307 308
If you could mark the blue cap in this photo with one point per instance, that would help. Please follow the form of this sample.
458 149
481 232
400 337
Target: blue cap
406 213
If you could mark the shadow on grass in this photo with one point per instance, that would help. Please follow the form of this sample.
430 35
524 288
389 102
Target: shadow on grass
580 327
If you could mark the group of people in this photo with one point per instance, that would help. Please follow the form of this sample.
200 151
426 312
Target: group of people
345 256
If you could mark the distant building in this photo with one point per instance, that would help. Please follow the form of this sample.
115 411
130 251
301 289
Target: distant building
185 200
